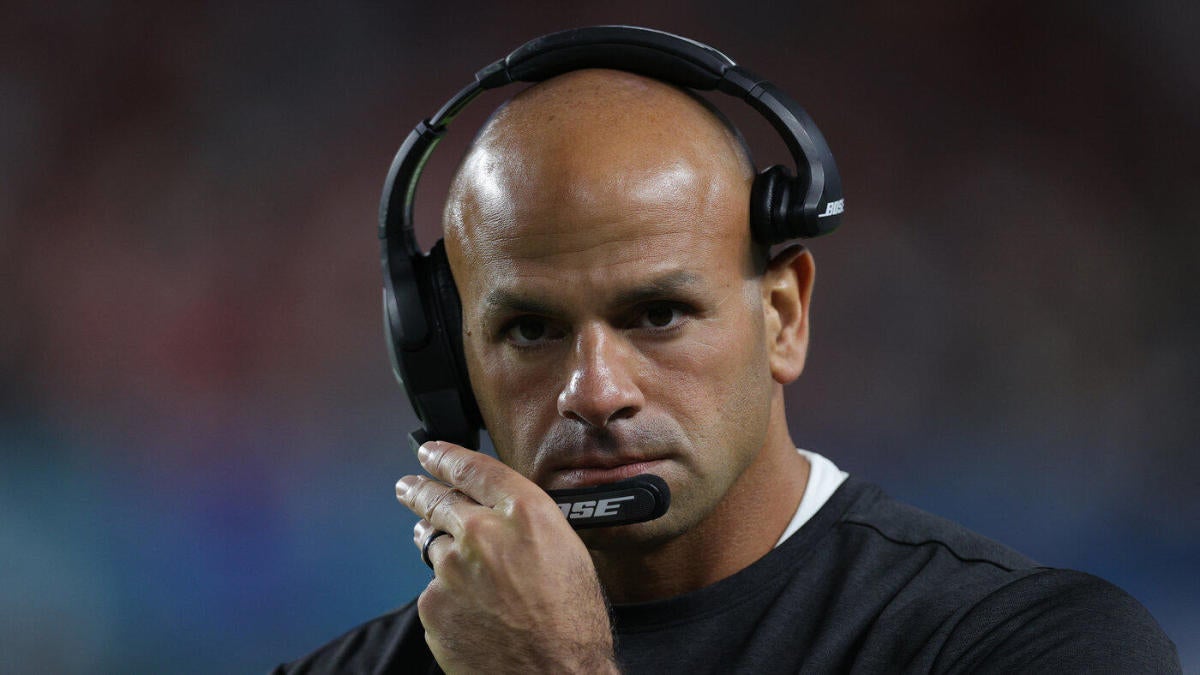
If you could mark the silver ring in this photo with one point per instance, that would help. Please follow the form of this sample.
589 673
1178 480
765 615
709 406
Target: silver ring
425 547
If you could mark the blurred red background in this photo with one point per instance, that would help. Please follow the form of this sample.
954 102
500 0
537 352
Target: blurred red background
199 428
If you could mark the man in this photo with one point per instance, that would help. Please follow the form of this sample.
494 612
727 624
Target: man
618 319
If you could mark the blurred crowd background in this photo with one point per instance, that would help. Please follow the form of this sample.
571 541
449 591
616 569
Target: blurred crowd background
199 429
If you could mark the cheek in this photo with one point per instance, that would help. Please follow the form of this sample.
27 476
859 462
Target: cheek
721 379
510 399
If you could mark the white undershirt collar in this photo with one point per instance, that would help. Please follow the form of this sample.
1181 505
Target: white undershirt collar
823 480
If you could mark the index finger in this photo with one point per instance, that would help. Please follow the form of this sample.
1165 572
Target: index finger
485 479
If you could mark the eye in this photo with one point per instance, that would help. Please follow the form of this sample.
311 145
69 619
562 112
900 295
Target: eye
531 331
661 316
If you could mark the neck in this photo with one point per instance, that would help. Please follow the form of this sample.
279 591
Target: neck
742 528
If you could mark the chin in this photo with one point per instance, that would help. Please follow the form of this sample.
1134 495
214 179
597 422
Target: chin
638 537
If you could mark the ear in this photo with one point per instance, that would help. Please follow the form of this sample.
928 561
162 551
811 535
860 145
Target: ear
787 289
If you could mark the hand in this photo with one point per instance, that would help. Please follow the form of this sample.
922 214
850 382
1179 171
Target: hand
514 587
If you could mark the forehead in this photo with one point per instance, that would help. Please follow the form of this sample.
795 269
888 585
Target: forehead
590 267
595 179
595 237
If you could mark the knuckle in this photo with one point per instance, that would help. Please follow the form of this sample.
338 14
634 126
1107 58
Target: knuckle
429 602
527 512
477 526
452 557
519 509
464 471
423 494
443 500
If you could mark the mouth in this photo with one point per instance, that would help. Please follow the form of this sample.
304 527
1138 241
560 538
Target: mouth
586 473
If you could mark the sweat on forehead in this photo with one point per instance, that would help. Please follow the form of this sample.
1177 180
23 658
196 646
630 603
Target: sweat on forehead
592 140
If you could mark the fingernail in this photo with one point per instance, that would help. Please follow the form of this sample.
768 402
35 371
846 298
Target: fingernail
404 486
423 453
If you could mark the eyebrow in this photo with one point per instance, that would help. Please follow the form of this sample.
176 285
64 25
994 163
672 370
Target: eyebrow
500 300
667 284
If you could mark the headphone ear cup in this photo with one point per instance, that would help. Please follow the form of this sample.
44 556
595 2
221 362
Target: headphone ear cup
449 306
770 202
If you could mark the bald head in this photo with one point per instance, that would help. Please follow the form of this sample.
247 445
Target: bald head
598 232
591 141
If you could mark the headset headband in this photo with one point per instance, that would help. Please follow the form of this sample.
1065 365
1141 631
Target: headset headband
656 54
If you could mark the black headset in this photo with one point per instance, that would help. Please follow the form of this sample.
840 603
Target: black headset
422 314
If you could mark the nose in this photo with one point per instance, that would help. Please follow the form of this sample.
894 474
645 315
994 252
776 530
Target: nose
602 386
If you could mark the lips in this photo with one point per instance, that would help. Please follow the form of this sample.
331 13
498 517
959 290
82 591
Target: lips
573 455
586 472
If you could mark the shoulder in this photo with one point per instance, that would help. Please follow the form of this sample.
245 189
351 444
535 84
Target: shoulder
1058 620
913 561
900 528
394 642
981 605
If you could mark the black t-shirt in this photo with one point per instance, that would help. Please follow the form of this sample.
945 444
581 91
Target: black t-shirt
868 585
